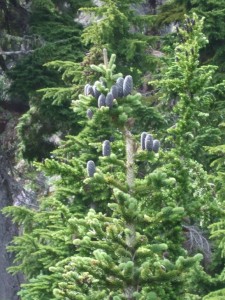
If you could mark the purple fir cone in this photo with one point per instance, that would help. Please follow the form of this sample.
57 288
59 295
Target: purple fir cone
148 142
106 148
91 168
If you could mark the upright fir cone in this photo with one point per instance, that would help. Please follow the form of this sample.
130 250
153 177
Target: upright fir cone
148 142
109 100
91 168
114 91
86 89
143 136
156 146
106 148
89 113
90 91
101 100
119 84
96 92
127 85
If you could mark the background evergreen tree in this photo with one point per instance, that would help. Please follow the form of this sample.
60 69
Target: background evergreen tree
53 25
13 20
187 84
214 13
189 89
51 33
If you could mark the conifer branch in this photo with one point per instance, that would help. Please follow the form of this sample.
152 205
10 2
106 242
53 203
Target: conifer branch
197 242
116 184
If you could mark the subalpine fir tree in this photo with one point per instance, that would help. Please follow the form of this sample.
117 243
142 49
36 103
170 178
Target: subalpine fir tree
118 256
72 197
188 88
213 12
121 246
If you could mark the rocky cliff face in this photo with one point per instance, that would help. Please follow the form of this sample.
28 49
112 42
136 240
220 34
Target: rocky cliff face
145 8
14 183
9 285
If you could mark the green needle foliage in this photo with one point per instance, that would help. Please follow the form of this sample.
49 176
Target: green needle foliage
57 37
214 13
127 219
120 28
189 89
195 99
71 191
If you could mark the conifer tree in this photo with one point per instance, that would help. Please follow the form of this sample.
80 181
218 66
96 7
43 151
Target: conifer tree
172 12
52 34
200 98
118 254
97 136
194 87
128 203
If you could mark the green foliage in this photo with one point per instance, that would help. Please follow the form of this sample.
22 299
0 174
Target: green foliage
194 87
188 87
122 30
214 13
135 227
219 295
171 11
58 36
117 26
46 122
